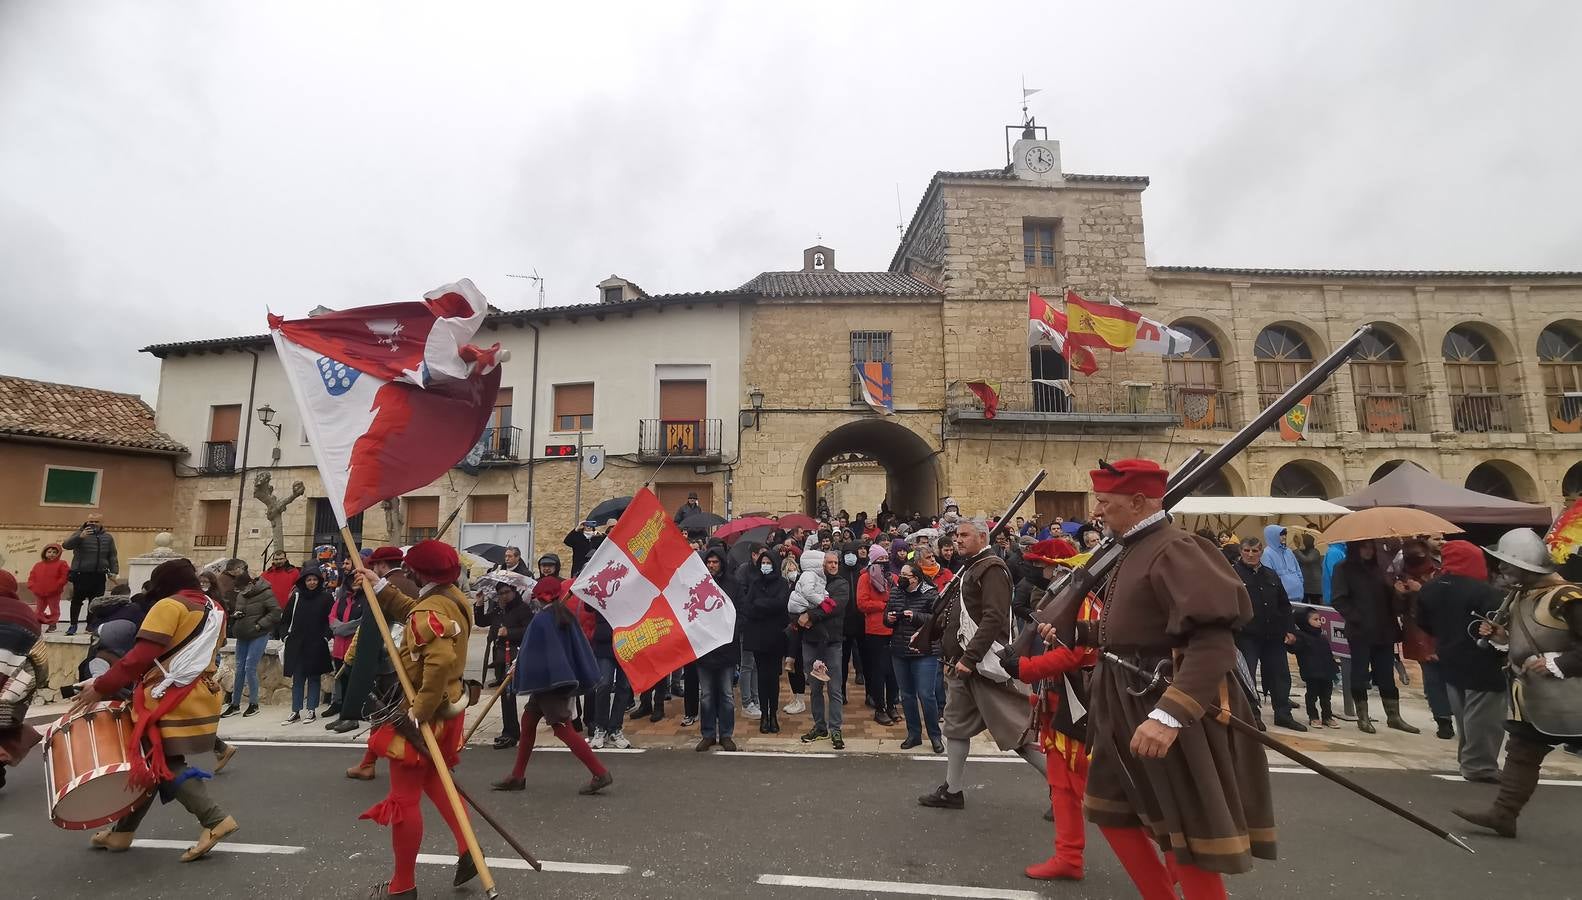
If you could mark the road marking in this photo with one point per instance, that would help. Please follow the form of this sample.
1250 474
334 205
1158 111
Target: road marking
335 745
898 887
4 836
1554 782
1292 770
781 754
508 862
1012 758
222 847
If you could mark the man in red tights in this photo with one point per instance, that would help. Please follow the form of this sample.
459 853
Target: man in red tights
433 651
1166 773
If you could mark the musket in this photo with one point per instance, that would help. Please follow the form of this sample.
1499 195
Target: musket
1157 677
1059 603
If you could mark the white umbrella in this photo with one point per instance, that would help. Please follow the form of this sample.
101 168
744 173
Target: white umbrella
523 584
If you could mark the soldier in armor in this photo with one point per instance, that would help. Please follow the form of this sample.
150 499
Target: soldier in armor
1540 628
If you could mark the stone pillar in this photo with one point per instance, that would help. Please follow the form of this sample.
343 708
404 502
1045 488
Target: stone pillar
1243 339
1342 391
140 567
1522 375
1435 386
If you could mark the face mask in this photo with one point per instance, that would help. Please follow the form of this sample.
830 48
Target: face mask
766 568
851 559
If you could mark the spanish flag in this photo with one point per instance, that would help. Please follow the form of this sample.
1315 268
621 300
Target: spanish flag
1092 324
1047 325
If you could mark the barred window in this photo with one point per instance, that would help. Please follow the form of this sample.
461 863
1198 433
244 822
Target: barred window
867 347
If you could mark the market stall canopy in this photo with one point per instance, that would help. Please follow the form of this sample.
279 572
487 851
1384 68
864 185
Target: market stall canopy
1258 507
1412 486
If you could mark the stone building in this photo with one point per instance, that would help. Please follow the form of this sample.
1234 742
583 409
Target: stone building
751 392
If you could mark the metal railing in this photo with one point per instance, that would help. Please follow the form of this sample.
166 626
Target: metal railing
1389 413
219 458
1497 413
678 439
1565 411
1321 414
1203 408
502 444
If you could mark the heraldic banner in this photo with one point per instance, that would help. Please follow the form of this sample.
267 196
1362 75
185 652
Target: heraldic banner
646 581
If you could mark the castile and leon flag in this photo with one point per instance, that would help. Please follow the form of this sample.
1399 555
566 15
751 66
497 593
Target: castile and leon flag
662 604
391 395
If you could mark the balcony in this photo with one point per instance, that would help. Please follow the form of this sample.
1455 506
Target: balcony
1565 412
1392 413
1078 402
694 439
501 445
219 458
208 540
1321 415
1486 413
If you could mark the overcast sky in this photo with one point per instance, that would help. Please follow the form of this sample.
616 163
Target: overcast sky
168 170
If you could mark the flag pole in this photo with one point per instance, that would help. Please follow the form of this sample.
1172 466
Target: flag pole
493 698
434 754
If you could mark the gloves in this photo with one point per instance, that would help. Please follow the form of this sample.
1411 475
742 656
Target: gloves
1012 663
828 605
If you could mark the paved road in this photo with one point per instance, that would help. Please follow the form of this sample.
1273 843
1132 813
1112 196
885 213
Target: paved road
681 824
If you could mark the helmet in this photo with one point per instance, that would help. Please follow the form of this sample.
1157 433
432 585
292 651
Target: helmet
1524 549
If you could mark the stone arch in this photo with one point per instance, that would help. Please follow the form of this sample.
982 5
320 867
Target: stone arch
912 470
1502 478
1559 352
1225 483
1305 478
1283 351
1571 483
1386 468
1388 380
1481 378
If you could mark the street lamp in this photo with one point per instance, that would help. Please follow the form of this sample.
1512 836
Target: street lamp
756 397
266 415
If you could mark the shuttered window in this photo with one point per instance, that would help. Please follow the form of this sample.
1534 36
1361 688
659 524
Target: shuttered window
573 407
489 508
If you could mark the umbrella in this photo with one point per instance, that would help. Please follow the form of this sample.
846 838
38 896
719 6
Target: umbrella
757 535
523 584
609 509
741 552
923 534
1387 522
494 553
737 526
1070 527
797 520
702 520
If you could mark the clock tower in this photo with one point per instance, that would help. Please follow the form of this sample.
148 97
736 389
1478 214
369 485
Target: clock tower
1037 160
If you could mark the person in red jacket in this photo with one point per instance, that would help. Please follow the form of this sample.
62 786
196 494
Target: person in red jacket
873 592
281 576
1064 741
47 581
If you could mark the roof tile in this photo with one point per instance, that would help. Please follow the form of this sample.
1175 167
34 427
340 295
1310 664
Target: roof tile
70 413
1366 273
838 284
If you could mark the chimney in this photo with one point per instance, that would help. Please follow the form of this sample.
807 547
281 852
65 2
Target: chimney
818 258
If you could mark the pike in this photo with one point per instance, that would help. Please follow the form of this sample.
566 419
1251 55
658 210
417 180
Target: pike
1158 677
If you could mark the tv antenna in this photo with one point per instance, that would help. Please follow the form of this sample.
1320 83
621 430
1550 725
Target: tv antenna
536 279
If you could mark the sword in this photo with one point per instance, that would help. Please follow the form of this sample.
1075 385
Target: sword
1157 677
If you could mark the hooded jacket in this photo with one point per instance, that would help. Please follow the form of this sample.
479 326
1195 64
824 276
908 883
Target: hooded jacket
809 591
1314 658
307 651
1368 602
730 652
254 611
1282 561
764 609
48 579
1312 563
1446 609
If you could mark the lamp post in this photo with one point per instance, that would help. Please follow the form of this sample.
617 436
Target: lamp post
756 397
266 415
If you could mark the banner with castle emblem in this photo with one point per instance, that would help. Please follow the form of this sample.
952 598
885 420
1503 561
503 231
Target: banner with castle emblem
649 584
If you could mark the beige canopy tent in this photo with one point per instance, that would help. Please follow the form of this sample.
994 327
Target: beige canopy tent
1412 486
1230 513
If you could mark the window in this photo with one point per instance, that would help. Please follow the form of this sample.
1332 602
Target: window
214 523
1378 372
1199 365
500 438
1281 357
1560 361
612 294
1472 372
67 486
1038 251
866 347
573 407
1297 480
488 508
1487 478
225 423
422 518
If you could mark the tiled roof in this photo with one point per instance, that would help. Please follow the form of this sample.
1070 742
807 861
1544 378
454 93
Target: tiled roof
69 413
1365 273
838 284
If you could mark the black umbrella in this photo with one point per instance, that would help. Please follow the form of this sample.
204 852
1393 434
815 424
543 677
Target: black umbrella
492 552
609 509
758 535
742 552
702 520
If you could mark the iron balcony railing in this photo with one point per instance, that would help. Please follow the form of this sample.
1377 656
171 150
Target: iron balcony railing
1496 413
1390 413
678 439
219 458
208 540
1565 411
1080 401
502 444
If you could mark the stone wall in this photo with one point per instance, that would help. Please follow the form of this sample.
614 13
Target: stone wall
66 654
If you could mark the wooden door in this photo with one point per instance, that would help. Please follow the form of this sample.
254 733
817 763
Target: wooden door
673 496
1068 505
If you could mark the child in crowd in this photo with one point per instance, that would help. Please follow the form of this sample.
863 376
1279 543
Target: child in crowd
1310 643
47 581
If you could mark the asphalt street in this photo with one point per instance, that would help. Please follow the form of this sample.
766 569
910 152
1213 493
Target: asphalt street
683 824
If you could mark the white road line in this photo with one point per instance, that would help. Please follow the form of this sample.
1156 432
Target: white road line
509 862
222 847
1554 782
1292 770
1012 758
782 754
332 745
4 836
898 887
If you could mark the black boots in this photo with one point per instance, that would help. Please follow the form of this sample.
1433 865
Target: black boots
1364 724
1518 780
1447 728
1392 717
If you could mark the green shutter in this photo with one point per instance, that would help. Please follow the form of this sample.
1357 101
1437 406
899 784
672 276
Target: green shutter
70 486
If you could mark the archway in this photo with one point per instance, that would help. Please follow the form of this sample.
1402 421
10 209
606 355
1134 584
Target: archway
1384 470
910 467
1304 478
1500 478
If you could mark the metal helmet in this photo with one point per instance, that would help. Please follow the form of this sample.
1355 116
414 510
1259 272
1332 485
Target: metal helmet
1524 549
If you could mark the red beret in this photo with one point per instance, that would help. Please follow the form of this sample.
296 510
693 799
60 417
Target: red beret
434 561
1130 476
390 555
1050 551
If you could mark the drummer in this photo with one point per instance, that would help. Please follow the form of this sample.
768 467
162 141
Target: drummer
182 633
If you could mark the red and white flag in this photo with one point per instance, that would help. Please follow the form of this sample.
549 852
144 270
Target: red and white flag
391 395
657 595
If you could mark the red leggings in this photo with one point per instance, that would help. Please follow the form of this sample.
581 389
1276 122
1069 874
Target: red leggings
1154 876
402 811
1066 787
569 736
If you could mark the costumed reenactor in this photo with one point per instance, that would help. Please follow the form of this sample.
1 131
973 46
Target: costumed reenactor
23 670
433 651
1166 773
175 705
1056 674
1540 628
979 694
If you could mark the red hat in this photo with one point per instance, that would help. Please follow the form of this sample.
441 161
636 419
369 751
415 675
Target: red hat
391 555
1130 476
434 561
1050 551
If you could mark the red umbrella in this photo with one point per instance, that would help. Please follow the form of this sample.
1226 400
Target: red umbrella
797 520
737 526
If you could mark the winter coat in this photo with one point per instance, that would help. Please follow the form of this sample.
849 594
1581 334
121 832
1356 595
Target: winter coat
829 625
1282 561
852 628
1312 563
1026 593
1446 608
872 601
764 611
1366 601
48 579
809 590
1333 557
1271 608
346 613
921 604
92 552
253 611
555 654
1313 656
308 630
581 548
548 589
282 581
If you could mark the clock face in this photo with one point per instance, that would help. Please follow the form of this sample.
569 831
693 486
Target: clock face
1039 159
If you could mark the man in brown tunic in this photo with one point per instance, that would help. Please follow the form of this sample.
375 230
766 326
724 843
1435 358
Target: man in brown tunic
1166 770
979 694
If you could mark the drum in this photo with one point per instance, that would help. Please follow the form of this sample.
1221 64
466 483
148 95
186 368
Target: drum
86 771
